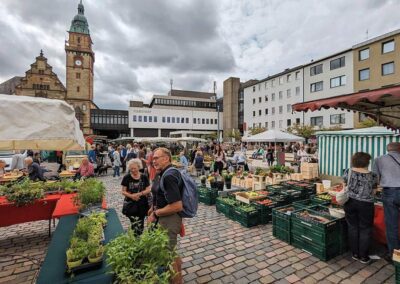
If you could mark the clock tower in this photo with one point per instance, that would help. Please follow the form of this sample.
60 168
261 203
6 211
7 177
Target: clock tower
79 66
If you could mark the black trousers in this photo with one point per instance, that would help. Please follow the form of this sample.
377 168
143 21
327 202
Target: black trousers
137 224
360 222
218 167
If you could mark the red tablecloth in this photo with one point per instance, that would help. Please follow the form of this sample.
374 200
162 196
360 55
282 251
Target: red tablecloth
41 209
65 206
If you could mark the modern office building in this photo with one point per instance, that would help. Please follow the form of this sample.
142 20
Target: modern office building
329 77
110 123
268 103
179 110
233 101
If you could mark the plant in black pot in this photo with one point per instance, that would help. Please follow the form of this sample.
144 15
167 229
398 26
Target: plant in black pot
211 180
219 182
228 179
203 180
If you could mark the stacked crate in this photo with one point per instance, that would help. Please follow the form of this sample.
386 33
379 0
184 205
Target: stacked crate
207 195
309 170
281 222
259 182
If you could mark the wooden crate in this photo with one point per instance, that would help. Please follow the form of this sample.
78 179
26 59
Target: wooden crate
259 179
259 186
248 183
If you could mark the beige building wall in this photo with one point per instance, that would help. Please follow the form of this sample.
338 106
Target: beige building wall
231 105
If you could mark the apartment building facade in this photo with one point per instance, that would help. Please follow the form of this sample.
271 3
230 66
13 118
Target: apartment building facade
329 77
268 103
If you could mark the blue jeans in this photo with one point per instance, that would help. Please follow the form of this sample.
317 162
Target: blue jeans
391 206
116 171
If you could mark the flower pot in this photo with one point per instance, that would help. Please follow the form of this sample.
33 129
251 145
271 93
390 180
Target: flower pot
95 259
219 185
203 182
228 184
72 264
213 184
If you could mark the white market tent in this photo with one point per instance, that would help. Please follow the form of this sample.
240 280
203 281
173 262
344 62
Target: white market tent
273 136
38 124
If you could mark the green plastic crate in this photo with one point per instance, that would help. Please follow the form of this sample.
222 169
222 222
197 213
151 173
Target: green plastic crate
280 199
246 218
397 271
321 233
282 234
207 196
319 197
275 188
308 203
324 253
265 211
225 206
281 219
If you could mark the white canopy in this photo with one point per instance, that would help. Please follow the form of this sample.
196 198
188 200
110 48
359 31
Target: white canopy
273 136
190 139
38 124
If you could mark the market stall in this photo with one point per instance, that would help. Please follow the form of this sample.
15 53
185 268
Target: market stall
335 148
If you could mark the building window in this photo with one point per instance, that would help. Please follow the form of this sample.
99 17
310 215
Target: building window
187 120
150 118
363 54
134 118
259 99
297 120
140 118
207 121
41 72
173 120
194 120
387 68
254 88
297 91
288 93
280 80
144 118
266 124
198 121
288 77
280 95
338 63
265 85
78 75
163 119
215 121
254 113
316 87
266 111
388 46
273 97
280 123
273 110
266 98
259 112
203 121
155 119
363 74
273 124
315 70
273 83
289 122
338 119
317 121
168 119
254 101
78 89
338 81
280 109
297 74
288 107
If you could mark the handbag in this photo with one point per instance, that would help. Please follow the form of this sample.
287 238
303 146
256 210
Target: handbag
343 196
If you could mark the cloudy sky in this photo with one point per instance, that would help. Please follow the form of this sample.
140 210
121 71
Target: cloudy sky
140 45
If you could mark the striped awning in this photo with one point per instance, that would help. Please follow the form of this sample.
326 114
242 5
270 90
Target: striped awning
382 105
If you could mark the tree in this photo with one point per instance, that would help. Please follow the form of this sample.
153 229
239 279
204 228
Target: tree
302 130
368 122
256 130
212 136
235 134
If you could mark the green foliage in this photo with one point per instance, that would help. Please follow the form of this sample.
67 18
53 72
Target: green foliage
90 192
23 193
368 122
256 130
78 252
305 131
227 175
234 133
281 169
138 259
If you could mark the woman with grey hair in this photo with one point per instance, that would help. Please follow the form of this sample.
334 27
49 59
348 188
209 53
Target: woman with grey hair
135 188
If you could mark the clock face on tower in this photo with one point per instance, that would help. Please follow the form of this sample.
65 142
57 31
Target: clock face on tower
78 62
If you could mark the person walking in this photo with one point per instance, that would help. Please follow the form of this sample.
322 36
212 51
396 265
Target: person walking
219 156
135 188
359 209
167 202
117 162
387 167
183 160
270 157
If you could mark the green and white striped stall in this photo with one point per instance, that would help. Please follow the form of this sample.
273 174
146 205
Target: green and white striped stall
335 148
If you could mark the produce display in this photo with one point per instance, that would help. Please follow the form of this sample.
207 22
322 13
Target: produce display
286 210
86 245
325 197
141 259
309 217
90 193
281 169
265 202
23 193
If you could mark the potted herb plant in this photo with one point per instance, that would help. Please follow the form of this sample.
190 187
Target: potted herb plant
203 180
228 180
76 254
95 253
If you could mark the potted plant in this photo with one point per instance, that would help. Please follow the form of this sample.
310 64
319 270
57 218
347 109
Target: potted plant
211 180
203 180
228 179
90 193
76 254
95 253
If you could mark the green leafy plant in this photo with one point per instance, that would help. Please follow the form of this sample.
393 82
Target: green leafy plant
90 192
23 193
139 259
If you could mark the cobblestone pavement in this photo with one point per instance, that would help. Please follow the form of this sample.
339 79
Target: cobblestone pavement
215 250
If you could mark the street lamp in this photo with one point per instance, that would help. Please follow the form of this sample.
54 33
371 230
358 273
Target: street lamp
218 123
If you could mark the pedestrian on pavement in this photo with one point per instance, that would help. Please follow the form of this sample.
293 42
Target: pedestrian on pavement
183 160
167 203
219 157
387 167
116 163
359 209
270 157
123 156
135 188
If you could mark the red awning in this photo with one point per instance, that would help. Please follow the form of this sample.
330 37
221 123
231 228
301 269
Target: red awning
381 104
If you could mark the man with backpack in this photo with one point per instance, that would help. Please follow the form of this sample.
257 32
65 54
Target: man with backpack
174 196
